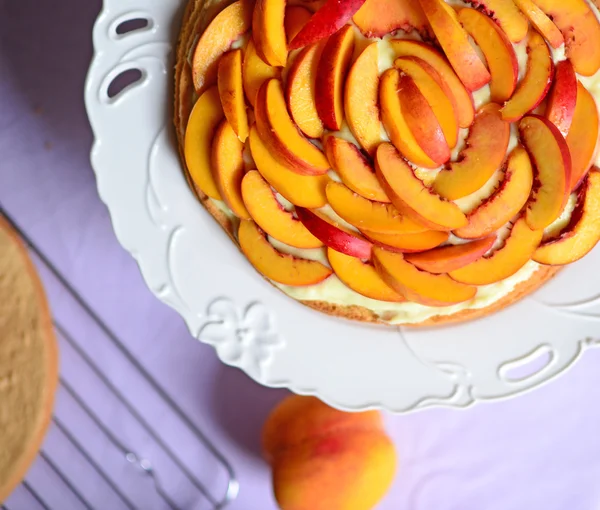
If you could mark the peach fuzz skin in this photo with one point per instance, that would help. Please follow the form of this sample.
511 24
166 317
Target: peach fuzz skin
325 459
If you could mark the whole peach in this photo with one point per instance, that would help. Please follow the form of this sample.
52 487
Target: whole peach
325 459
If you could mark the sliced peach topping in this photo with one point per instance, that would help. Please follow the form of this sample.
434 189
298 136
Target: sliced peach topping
435 91
361 99
536 83
361 277
410 195
552 170
395 124
279 267
228 168
505 261
377 18
334 235
583 231
419 286
202 124
301 190
483 155
354 169
270 216
231 92
422 121
506 201
408 243
461 97
450 258
228 25
365 214
296 17
497 50
582 138
281 135
331 74
581 30
508 17
255 72
330 18
456 45
562 98
268 31
301 89
541 22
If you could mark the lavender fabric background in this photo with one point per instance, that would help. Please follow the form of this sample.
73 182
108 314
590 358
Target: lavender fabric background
539 451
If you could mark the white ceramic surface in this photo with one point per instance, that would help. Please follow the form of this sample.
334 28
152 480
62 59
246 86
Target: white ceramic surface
191 265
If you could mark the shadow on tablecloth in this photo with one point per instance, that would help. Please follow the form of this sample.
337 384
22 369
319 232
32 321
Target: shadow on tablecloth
241 407
45 51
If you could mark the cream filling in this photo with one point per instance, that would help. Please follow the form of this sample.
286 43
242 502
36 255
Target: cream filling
332 290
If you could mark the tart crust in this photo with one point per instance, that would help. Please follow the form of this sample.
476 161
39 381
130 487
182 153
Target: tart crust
198 15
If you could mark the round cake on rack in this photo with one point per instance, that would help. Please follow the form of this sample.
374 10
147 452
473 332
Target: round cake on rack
397 161
28 361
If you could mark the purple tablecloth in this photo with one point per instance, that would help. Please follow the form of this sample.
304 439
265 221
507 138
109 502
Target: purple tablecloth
539 451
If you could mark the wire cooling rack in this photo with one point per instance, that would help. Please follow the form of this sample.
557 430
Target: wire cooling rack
108 453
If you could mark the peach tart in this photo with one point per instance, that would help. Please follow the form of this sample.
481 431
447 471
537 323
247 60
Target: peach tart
410 162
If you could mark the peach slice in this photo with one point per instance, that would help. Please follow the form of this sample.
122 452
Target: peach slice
296 17
450 258
301 190
301 88
583 231
231 92
410 195
228 168
277 266
506 14
361 99
456 45
421 120
361 277
583 135
551 160
543 24
268 31
354 169
368 215
255 72
333 235
462 98
483 155
536 83
562 97
505 261
281 135
506 201
419 286
270 216
204 119
409 243
228 25
377 18
395 123
581 30
326 21
331 73
497 50
435 91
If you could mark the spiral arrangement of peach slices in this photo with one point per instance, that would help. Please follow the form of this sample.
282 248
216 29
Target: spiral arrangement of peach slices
322 125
